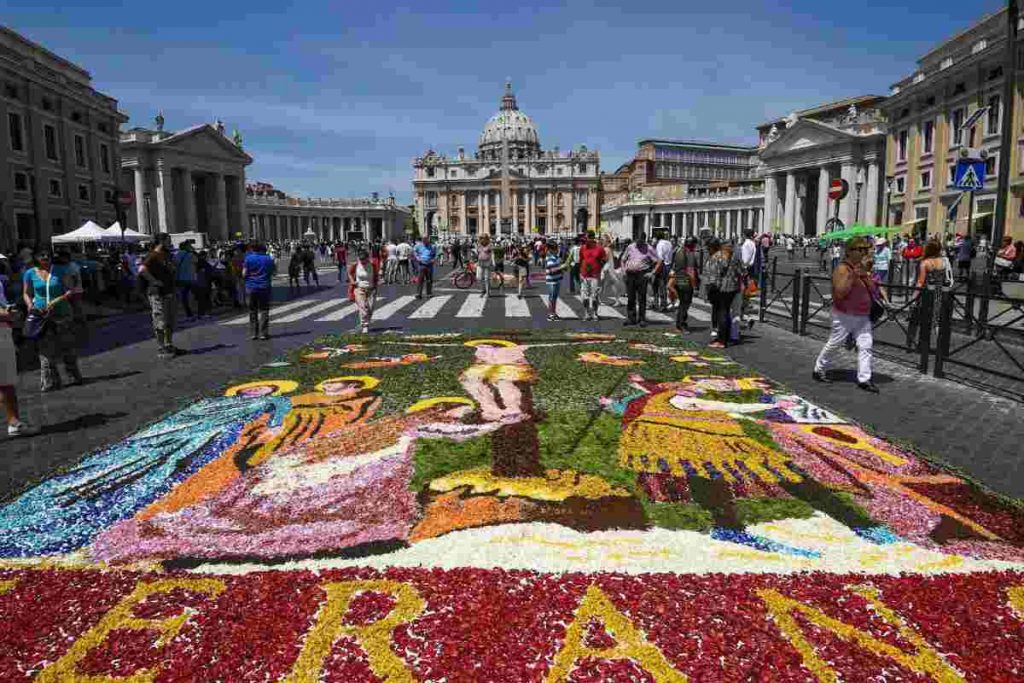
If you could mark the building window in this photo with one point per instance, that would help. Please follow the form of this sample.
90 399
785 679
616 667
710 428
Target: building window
952 175
995 73
991 165
20 181
108 195
58 226
921 213
926 180
105 159
583 168
103 127
956 119
432 200
50 141
928 136
80 151
76 116
960 88
901 184
17 133
83 192
55 188
47 104
430 171
994 114
901 145
11 91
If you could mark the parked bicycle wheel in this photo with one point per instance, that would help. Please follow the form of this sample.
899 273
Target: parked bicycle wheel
463 279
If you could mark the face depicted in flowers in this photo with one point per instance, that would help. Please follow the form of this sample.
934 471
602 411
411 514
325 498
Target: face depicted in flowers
260 388
346 387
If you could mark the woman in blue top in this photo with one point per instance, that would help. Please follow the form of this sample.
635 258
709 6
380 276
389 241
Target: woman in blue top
553 268
47 289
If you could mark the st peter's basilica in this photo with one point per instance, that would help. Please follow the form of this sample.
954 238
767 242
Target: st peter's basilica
509 186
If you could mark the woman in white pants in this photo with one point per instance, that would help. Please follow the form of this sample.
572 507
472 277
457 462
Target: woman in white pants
852 292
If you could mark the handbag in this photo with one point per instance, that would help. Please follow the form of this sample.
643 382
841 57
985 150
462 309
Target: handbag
1003 262
36 324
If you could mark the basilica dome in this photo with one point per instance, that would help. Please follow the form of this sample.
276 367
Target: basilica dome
512 125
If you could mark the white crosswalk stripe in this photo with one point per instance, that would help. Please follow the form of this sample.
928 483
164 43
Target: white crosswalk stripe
472 307
563 310
389 309
306 312
516 307
606 311
339 314
244 319
431 308
658 316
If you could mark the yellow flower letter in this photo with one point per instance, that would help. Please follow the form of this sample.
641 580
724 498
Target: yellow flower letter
375 638
630 642
64 669
924 661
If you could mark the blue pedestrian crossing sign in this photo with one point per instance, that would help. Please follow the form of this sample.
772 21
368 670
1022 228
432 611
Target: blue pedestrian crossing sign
970 174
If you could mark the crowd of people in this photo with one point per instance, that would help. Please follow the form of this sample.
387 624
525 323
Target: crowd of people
43 293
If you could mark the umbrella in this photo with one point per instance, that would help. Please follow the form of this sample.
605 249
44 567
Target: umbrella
859 231
90 232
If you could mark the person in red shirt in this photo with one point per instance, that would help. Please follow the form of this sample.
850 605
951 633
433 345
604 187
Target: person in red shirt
912 257
592 260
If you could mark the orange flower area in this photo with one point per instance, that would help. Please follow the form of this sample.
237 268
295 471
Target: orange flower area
605 359
450 511
390 361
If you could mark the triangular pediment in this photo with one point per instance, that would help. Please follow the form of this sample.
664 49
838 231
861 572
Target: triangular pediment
205 141
803 135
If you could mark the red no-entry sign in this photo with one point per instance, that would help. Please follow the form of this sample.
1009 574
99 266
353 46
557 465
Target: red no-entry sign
125 198
838 189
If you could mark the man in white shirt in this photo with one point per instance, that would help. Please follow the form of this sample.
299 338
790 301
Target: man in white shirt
663 248
391 264
404 252
748 255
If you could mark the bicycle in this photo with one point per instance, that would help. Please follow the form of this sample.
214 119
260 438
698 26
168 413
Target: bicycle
464 278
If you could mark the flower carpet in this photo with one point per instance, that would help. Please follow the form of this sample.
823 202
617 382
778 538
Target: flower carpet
520 506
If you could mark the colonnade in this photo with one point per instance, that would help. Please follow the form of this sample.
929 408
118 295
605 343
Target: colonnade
790 197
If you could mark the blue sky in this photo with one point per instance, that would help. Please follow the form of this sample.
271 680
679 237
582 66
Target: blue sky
336 98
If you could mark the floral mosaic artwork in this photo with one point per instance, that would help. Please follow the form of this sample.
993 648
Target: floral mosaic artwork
523 506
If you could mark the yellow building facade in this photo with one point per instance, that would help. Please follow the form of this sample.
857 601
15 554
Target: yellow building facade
926 112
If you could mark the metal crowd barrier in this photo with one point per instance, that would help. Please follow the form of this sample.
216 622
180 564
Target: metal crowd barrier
929 328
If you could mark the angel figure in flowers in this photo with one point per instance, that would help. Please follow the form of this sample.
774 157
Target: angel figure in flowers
66 511
345 484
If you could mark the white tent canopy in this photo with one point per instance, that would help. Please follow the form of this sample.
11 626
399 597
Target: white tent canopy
90 232
114 232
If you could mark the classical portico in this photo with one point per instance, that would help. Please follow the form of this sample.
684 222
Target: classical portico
802 156
193 180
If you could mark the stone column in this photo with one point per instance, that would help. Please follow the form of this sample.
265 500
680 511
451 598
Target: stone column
165 198
221 221
240 209
529 211
823 203
190 199
140 199
771 200
485 224
789 220
728 224
846 207
871 195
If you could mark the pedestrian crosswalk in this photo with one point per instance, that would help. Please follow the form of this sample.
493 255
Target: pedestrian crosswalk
461 306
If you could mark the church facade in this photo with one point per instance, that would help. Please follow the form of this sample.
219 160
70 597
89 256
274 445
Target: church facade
510 186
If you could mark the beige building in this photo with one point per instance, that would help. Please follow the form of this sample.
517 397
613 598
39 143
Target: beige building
804 152
276 217
60 160
925 112
189 181
509 186
672 162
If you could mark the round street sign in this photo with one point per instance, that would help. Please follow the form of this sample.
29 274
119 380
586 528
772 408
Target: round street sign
125 198
838 189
